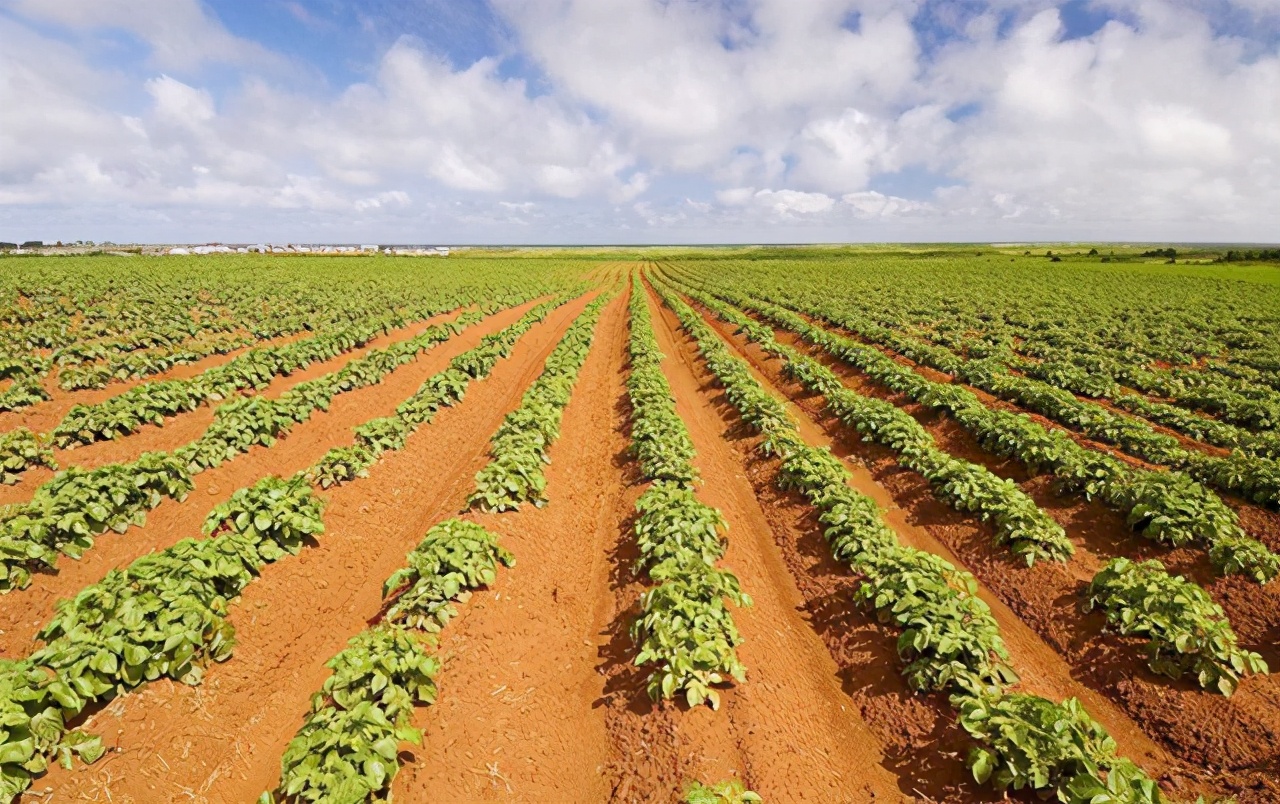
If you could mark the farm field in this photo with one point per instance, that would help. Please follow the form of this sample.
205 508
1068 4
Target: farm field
831 525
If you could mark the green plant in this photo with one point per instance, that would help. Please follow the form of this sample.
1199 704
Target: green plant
1187 631
346 749
455 557
519 447
1028 742
730 791
21 449
686 629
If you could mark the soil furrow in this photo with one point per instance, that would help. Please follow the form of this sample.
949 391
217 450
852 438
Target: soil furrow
222 741
793 695
187 427
925 524
1238 733
22 613
518 715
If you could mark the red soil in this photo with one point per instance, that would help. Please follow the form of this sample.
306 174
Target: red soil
23 613
1238 735
222 740
540 699
187 426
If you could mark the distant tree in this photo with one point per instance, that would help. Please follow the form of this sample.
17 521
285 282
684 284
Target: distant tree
1093 252
1262 255
1055 259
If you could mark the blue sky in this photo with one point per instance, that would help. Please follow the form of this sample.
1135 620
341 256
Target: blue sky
624 121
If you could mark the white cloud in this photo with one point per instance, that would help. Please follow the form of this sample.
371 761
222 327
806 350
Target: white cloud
792 203
670 115
179 32
1162 130
871 205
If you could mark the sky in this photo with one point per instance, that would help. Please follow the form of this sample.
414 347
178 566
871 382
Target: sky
639 121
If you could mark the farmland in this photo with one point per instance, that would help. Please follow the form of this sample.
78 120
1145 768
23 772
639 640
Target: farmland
830 525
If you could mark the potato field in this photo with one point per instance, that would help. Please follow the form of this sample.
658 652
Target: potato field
712 526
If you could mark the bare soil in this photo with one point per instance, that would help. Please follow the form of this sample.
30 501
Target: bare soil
1236 738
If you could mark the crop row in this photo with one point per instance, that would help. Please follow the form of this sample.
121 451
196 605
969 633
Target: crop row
152 403
1183 637
1251 471
1202 428
519 447
684 627
79 504
139 329
1019 523
1232 400
1166 506
949 639
165 615
348 746
145 363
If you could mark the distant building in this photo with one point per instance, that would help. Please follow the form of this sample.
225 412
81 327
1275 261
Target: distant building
8 246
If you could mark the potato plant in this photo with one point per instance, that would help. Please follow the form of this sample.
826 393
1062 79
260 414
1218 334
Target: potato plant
518 449
685 628
456 556
68 512
1187 632
948 639
20 450
348 746
730 791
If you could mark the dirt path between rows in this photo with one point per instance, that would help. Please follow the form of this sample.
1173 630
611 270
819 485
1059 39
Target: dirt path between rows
44 416
188 426
517 717
222 741
1238 733
1043 671
796 734
23 613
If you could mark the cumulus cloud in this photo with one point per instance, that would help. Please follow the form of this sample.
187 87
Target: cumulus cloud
1153 124
418 121
180 33
893 117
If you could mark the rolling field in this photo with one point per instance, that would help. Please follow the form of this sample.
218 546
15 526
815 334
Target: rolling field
842 525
